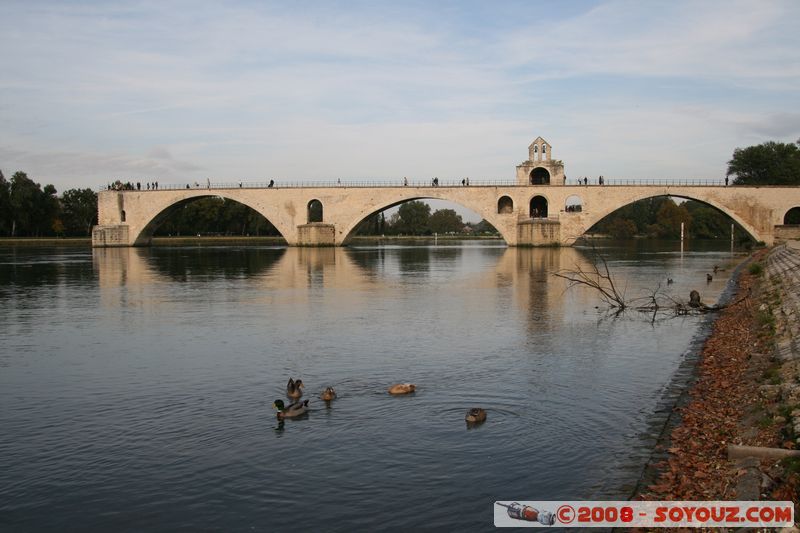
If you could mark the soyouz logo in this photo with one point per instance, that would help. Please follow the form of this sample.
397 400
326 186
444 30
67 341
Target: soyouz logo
643 514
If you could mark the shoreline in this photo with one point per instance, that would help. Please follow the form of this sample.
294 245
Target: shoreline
731 396
676 394
235 239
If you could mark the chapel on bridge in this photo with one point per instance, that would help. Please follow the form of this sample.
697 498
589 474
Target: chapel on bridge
540 167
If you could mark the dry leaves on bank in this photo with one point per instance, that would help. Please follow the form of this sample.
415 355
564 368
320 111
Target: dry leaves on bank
726 392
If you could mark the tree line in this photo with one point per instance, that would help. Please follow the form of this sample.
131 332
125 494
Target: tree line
661 217
415 218
215 216
28 210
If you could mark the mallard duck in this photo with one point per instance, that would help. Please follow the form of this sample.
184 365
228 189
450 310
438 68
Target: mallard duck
709 278
476 415
294 409
402 388
294 388
328 394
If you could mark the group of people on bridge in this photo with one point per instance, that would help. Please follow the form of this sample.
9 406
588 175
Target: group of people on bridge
435 182
585 181
129 186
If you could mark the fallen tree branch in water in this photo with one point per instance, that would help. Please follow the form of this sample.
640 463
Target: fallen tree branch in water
601 281
598 276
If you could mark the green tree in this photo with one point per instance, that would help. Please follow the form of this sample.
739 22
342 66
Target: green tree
668 220
79 211
215 216
372 225
414 217
485 227
621 228
707 222
47 209
23 198
58 227
770 163
446 221
642 213
5 205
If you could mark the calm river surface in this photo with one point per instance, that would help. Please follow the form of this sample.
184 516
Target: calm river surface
136 385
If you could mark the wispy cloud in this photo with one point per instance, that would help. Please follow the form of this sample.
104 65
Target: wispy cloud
240 90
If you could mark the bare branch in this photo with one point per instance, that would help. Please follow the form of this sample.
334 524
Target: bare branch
594 278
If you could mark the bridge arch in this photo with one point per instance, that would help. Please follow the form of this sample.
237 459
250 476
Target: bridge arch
314 211
573 204
540 176
505 205
594 216
159 212
792 216
487 212
539 207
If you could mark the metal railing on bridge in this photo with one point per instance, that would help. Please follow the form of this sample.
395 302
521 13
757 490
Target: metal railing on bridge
386 183
656 182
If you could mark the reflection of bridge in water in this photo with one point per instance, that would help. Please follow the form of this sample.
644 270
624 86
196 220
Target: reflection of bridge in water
537 209
515 277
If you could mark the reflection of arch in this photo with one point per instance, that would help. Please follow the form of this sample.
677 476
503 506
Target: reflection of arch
540 176
599 212
122 215
505 205
479 206
792 216
538 207
314 211
206 263
574 204
146 233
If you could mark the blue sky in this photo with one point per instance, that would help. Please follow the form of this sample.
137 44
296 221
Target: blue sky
182 91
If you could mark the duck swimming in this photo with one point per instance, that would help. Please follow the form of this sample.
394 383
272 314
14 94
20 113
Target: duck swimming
476 415
402 388
293 410
294 388
328 394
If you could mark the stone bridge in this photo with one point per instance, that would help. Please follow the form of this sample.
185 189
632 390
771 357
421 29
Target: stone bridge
539 208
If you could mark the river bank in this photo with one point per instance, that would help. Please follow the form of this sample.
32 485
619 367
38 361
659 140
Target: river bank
217 240
745 393
45 241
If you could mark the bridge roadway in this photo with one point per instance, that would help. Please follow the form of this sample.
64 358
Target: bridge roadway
129 217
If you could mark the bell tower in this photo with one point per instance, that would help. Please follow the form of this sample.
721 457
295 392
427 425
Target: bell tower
540 167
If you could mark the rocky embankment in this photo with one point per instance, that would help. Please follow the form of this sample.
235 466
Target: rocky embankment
747 392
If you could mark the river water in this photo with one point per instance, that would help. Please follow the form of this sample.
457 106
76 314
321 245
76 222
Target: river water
136 385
